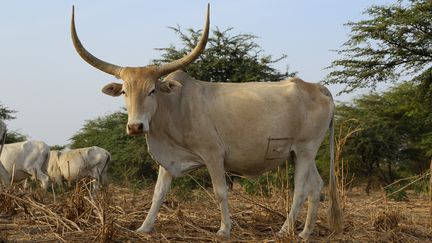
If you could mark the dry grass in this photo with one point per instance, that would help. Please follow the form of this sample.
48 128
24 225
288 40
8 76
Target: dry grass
113 215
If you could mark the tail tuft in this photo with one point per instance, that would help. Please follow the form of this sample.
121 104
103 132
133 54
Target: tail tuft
335 215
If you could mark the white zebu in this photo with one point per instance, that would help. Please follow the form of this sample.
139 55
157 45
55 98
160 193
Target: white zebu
246 128
25 160
75 164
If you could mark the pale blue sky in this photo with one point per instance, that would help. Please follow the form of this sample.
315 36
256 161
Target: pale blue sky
54 91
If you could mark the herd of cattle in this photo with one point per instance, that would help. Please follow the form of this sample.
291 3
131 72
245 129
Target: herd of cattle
245 128
34 160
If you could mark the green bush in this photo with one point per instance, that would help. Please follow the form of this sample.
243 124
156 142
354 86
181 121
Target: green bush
271 181
397 196
421 186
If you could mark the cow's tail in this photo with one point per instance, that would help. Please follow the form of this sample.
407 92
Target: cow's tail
335 215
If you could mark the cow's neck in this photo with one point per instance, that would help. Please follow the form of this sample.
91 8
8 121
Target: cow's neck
178 113
163 123
168 140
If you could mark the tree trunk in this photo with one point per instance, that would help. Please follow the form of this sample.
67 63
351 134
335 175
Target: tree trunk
369 175
383 176
389 166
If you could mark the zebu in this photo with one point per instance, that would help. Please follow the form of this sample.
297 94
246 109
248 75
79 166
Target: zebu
246 128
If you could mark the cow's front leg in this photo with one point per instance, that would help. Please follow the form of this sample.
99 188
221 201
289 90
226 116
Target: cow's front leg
4 175
217 174
162 185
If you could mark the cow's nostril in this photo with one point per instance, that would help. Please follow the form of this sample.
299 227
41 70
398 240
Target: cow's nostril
136 128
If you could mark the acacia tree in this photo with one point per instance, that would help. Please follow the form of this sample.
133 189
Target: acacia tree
227 58
395 42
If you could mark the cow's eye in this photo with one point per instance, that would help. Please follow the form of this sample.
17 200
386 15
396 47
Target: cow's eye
123 93
152 92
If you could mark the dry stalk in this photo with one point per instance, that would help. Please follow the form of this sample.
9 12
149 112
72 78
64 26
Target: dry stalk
261 205
387 220
13 173
53 192
46 210
403 188
202 187
341 171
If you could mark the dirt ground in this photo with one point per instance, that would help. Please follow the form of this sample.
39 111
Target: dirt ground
113 215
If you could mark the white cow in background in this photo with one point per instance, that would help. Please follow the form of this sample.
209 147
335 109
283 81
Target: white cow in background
76 164
4 175
25 160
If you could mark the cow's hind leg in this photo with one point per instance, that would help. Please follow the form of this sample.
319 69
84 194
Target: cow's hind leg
315 183
217 174
96 176
162 186
306 183
104 178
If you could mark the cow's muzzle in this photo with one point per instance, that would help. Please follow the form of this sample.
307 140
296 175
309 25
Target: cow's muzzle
135 129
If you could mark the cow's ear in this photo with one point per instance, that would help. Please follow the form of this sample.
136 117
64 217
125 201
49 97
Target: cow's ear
113 89
168 86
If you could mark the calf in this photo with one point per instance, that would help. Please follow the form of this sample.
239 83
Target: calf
76 164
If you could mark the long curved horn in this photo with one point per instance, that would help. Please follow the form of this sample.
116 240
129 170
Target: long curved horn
89 58
194 54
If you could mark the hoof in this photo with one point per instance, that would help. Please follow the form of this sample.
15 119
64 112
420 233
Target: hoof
304 235
144 229
223 234
282 233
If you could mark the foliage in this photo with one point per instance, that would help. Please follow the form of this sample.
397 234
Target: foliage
183 186
395 41
264 185
6 113
11 136
396 128
422 186
227 57
57 147
14 137
394 192
130 160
